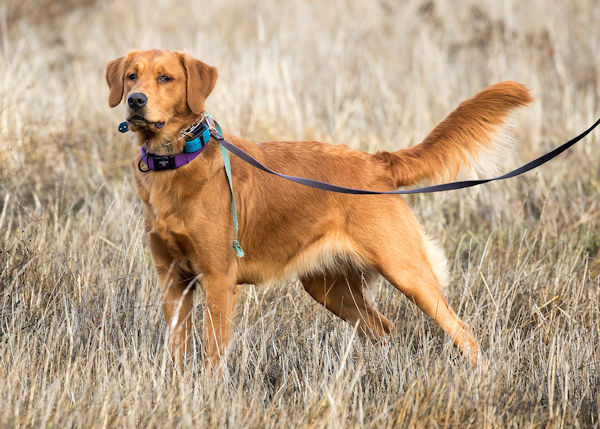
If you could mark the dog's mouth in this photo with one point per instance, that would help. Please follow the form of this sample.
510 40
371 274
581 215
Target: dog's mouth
145 123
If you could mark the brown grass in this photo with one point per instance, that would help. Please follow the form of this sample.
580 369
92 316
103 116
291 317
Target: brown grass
81 332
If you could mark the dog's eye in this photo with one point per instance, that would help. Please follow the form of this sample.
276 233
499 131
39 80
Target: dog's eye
132 76
164 78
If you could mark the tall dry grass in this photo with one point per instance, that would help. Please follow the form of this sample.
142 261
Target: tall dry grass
81 332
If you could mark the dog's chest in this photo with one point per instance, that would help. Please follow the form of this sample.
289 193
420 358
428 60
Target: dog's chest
171 233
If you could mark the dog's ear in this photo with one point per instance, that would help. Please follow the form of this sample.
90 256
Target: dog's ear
114 77
201 79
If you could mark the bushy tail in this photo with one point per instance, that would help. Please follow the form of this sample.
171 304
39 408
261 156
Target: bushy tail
462 139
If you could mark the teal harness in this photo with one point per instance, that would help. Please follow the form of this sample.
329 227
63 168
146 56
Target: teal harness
214 125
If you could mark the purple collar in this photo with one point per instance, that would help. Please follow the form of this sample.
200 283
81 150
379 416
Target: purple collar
166 162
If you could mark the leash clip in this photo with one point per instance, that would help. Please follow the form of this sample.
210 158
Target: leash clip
239 252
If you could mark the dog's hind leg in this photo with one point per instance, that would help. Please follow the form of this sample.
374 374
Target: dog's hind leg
343 294
399 253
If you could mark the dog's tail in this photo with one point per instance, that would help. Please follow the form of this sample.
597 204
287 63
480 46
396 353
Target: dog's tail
463 140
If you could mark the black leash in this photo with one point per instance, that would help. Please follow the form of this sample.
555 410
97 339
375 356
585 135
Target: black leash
436 188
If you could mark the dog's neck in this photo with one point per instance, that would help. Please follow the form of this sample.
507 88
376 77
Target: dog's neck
205 166
169 141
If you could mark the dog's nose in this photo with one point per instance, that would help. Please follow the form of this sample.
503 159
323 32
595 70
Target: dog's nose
137 100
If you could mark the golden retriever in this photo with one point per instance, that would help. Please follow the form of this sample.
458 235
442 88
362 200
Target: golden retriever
334 243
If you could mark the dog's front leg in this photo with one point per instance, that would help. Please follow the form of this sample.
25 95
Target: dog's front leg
177 307
220 295
177 289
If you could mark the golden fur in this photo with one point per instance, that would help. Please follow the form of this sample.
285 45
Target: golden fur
331 242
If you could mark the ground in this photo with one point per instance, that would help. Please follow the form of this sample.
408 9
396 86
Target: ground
82 339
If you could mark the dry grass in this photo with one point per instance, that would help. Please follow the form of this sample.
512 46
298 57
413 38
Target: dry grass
81 332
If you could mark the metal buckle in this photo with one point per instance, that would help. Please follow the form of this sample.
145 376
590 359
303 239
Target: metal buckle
210 123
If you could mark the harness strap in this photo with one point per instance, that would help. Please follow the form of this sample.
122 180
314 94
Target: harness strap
428 189
214 125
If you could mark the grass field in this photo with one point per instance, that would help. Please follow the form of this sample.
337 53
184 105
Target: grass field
82 339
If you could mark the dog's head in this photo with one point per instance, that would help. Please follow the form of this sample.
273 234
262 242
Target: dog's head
162 89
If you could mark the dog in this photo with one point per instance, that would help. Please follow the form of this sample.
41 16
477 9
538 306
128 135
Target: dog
333 243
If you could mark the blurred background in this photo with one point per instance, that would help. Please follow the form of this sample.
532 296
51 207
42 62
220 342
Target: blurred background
81 335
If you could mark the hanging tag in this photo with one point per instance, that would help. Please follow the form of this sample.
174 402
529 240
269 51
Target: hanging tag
123 127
